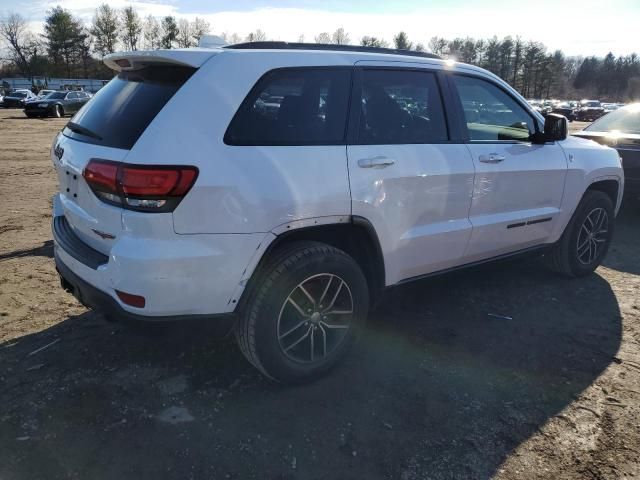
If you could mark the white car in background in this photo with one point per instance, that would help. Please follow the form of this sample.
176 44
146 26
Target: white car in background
308 179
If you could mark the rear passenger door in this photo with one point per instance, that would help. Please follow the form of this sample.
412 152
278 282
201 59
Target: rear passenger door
408 177
518 185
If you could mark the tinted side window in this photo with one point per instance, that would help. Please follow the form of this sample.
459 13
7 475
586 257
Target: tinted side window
490 113
72 96
294 107
400 107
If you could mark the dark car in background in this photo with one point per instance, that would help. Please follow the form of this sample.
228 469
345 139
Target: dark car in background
589 110
18 98
57 104
565 109
620 129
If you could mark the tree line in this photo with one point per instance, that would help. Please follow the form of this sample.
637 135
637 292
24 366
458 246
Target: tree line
69 47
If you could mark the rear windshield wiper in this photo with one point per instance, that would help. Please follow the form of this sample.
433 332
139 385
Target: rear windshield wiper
74 127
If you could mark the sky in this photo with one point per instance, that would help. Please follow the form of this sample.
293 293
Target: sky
578 27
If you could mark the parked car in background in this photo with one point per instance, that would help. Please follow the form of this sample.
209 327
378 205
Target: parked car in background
621 130
566 110
43 93
610 107
18 98
308 180
540 106
56 104
589 110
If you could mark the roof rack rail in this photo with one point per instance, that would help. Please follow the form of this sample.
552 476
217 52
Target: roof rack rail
327 47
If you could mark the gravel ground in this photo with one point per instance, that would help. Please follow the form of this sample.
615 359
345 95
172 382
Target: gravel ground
438 388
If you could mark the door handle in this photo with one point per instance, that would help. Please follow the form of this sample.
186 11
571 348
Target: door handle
491 158
375 162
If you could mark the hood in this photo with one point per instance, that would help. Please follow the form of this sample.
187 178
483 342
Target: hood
610 139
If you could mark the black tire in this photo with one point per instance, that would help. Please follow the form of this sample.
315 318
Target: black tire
30 115
58 111
565 256
257 331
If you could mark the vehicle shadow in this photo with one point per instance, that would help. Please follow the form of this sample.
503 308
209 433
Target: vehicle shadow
24 117
624 254
44 250
451 376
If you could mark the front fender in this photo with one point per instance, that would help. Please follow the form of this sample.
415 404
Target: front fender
588 162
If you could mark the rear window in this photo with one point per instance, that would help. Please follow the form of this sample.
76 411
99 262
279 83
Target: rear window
306 106
118 114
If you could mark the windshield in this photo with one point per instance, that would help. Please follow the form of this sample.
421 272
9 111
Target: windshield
19 94
625 120
56 95
590 104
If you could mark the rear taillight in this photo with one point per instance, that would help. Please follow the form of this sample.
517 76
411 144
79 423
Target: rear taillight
147 188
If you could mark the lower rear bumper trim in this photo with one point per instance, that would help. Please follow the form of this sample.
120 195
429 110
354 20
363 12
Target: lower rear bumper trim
95 299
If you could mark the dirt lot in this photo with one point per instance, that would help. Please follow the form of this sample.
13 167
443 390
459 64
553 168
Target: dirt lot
437 388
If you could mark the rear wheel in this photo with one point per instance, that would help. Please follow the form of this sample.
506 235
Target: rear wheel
29 115
304 313
586 239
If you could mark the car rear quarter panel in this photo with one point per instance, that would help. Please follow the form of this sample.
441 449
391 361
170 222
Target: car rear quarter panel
242 189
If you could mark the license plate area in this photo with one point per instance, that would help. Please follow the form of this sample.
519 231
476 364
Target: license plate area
69 183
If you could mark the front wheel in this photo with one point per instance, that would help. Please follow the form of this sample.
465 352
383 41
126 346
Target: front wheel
58 112
301 318
587 237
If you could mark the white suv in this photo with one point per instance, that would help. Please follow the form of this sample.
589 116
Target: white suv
283 186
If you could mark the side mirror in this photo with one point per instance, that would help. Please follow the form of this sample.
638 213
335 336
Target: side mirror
555 128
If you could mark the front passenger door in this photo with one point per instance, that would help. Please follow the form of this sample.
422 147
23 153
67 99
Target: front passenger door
518 187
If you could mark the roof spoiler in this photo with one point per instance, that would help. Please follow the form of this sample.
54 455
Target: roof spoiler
135 60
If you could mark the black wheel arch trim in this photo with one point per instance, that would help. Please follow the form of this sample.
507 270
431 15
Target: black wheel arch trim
376 274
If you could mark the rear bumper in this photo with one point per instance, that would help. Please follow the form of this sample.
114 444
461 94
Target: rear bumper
180 276
95 299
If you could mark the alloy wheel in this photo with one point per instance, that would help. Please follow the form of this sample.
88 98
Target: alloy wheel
315 318
592 236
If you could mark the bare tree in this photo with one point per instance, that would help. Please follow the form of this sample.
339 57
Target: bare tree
438 45
105 29
231 38
131 28
151 32
340 37
199 28
323 37
257 36
184 37
23 46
